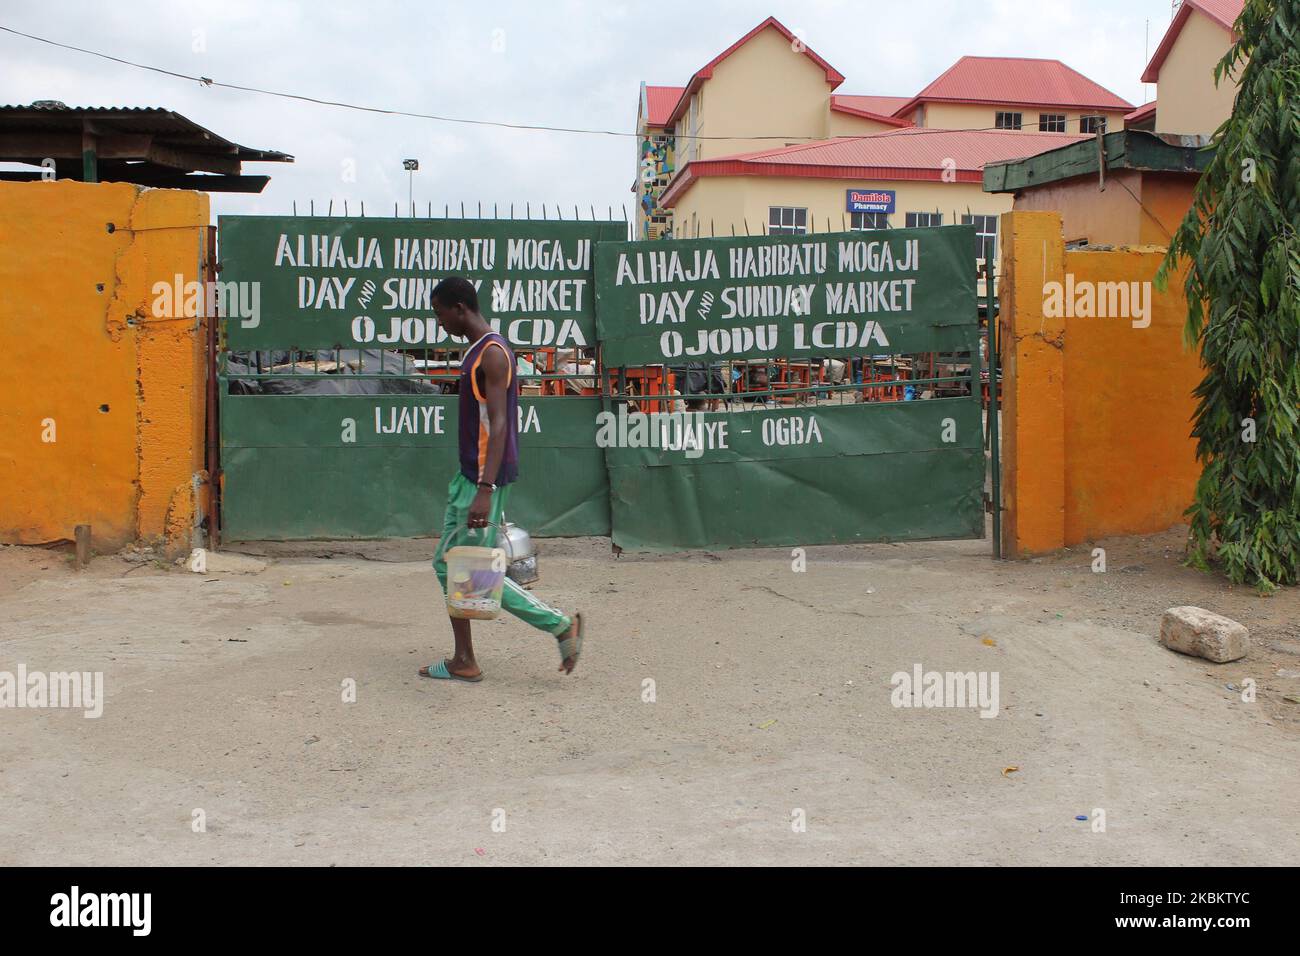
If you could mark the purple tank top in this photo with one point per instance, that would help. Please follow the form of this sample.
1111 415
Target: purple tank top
475 428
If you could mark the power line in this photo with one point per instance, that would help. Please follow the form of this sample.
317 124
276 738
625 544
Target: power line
209 82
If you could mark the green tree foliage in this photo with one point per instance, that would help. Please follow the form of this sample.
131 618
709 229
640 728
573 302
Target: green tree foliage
1239 241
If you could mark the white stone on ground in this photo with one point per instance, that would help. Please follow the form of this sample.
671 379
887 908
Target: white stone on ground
1202 633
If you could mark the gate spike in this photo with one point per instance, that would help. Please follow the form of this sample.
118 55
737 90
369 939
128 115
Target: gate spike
480 209
593 213
494 211
345 209
330 212
575 212
363 209
446 210
512 210
462 209
313 207
295 207
528 209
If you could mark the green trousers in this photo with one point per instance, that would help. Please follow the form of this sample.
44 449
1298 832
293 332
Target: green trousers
515 599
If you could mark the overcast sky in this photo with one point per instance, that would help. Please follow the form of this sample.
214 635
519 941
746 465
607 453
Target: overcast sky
565 63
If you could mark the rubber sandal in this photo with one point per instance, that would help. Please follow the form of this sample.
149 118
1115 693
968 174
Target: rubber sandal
439 671
572 646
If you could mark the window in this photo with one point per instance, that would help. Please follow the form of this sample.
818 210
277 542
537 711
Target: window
786 221
691 122
1008 120
917 219
868 220
1092 124
1051 122
986 235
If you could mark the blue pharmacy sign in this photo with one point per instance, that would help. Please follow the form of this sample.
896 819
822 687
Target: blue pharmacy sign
869 200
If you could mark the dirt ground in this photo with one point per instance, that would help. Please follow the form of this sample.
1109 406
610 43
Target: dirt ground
771 704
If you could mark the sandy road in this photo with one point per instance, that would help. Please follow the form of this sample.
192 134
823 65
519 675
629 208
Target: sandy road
771 696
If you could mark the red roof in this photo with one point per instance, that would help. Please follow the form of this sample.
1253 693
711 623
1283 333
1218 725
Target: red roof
878 108
905 155
833 76
1141 113
1222 12
660 101
1016 80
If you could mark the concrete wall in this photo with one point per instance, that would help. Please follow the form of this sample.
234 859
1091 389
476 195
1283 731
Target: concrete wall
764 88
102 421
1096 412
1114 216
846 124
1189 102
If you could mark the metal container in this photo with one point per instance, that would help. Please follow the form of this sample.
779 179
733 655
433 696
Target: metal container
523 556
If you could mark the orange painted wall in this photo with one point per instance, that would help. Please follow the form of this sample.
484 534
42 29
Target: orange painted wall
1096 413
1167 198
1115 216
123 387
1130 461
1033 373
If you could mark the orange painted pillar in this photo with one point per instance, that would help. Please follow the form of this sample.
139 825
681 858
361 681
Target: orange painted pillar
102 401
1033 380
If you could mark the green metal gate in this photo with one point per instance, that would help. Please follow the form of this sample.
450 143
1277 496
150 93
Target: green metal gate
335 421
830 462
330 421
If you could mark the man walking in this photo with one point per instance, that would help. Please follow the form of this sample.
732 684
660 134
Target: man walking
489 462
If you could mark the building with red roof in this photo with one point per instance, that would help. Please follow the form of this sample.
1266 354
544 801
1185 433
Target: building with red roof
1014 93
1183 68
760 139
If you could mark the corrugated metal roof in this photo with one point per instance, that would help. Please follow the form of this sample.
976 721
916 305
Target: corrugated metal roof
904 155
1225 12
661 100
1127 149
1017 80
1141 113
169 127
881 105
916 149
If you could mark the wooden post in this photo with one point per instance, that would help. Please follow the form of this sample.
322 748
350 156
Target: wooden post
83 545
89 154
